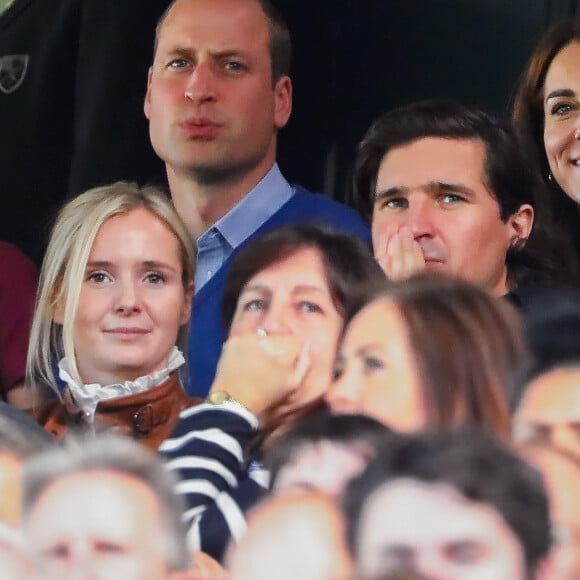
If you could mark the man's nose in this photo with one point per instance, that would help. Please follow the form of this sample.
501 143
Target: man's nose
201 86
421 218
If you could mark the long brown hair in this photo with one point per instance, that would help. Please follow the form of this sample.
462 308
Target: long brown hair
466 344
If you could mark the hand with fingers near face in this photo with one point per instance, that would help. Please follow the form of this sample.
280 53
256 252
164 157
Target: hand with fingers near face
397 252
261 371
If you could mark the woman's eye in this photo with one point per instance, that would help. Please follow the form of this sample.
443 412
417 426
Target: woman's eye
337 372
561 109
372 363
98 277
155 277
307 306
254 305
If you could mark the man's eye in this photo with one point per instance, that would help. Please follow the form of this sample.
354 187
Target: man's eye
104 547
396 203
58 552
234 66
449 198
464 552
178 63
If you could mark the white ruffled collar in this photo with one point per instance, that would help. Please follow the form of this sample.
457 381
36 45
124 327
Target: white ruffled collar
87 397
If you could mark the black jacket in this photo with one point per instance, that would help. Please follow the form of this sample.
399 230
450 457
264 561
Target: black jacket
72 80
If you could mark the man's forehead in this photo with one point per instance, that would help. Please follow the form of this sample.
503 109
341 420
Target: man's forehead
434 160
436 155
186 15
445 514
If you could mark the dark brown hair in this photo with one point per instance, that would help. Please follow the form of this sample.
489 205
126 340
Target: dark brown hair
528 117
528 109
545 258
351 271
466 344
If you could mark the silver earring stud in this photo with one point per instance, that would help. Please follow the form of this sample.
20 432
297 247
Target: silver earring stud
261 331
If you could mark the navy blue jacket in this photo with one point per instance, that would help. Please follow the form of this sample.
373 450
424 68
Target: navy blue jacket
207 335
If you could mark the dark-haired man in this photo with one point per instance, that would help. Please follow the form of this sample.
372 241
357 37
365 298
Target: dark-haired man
454 506
218 91
447 188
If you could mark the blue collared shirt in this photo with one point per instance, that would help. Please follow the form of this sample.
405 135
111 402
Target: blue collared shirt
216 244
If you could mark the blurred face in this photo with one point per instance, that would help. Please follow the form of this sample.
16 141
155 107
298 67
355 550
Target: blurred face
280 528
10 489
15 557
292 297
562 119
550 410
375 373
323 466
562 479
132 302
437 188
431 528
98 525
211 103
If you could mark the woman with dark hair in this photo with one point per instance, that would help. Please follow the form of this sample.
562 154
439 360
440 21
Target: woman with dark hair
286 297
546 114
430 353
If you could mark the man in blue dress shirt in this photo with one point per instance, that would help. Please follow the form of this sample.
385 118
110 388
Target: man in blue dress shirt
218 91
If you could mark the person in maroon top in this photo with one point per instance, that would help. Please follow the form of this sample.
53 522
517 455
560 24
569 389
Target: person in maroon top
18 283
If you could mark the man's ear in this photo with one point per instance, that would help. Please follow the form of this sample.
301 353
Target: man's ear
147 102
282 101
520 225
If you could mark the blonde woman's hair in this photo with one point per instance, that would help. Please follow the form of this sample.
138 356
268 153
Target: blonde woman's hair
63 269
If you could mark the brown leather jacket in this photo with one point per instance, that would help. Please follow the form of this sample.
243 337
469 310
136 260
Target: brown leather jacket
148 417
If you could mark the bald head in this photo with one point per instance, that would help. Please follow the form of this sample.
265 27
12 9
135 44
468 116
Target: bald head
307 524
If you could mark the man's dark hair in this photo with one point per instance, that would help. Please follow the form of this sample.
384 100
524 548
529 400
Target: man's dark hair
280 41
552 335
477 467
545 258
347 429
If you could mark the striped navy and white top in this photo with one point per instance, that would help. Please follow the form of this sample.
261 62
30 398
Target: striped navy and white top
206 450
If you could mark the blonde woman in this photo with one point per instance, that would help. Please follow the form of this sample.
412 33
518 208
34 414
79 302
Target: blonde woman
113 311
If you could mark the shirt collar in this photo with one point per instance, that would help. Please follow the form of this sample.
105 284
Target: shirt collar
260 204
